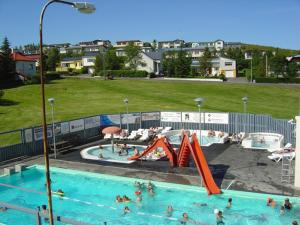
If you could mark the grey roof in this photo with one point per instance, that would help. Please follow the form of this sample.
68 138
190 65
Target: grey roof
154 55
71 59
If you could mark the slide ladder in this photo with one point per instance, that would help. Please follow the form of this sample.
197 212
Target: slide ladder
195 150
159 143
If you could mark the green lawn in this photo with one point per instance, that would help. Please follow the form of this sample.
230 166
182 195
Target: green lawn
82 97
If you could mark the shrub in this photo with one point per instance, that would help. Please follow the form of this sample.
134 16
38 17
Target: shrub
84 70
52 75
1 93
124 73
277 80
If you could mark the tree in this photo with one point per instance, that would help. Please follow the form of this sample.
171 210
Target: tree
99 64
169 63
133 56
205 62
1 94
182 64
112 61
7 65
278 64
292 69
52 59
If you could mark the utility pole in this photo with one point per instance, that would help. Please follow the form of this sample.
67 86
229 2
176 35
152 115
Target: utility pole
266 65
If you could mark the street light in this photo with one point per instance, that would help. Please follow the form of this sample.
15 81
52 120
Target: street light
199 102
245 100
81 7
51 101
126 103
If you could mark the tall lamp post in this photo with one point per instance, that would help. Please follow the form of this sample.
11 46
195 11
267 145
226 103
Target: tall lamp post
126 103
51 101
81 7
199 102
245 100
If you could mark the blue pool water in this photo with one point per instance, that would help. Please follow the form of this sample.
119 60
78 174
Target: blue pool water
205 141
90 197
108 154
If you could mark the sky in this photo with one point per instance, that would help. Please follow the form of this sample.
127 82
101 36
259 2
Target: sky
264 22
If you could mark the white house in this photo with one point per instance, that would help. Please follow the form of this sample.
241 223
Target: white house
24 65
88 60
171 44
220 65
122 44
151 62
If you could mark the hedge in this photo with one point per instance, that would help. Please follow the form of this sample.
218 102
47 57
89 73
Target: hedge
123 73
276 80
48 77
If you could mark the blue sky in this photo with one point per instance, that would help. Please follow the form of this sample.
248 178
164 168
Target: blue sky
265 22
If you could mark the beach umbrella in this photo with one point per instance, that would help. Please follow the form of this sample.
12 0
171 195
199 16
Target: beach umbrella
112 130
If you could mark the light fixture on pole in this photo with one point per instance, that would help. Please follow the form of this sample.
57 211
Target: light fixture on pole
126 103
199 102
84 8
51 101
245 100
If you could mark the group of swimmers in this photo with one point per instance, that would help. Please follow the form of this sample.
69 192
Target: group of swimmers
287 205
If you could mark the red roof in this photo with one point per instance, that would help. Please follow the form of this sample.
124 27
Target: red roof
34 57
17 56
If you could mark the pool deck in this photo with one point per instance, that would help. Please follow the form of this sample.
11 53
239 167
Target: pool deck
233 167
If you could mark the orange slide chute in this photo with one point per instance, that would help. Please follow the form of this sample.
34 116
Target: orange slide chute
186 149
162 143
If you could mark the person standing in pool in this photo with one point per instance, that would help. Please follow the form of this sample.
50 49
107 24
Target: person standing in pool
229 204
169 211
287 204
185 218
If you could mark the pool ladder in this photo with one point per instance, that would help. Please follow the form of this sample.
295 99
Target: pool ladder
287 171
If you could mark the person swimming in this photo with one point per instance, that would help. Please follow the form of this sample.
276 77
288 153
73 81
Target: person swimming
271 202
199 204
126 199
3 209
229 204
126 210
287 204
185 218
169 211
118 199
151 192
219 218
282 210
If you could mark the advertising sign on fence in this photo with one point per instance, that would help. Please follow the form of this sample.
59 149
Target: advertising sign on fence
64 128
131 118
38 133
92 122
76 125
28 135
150 116
192 117
170 116
110 119
220 118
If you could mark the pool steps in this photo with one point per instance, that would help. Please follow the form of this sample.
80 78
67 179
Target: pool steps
14 169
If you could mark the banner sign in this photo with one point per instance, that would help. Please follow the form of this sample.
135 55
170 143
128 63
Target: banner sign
28 135
38 132
106 120
192 117
64 128
170 116
131 118
77 125
92 122
150 116
220 118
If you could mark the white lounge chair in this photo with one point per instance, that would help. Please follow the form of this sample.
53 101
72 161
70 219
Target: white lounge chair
107 136
145 136
133 135
166 129
288 146
277 157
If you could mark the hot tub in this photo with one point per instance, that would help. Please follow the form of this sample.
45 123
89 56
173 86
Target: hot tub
264 141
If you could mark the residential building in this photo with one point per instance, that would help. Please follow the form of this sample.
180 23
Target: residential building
34 57
218 44
122 44
294 58
151 62
171 44
220 65
88 61
25 66
105 43
83 49
70 63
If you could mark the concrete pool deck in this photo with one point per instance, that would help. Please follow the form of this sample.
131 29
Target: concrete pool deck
232 166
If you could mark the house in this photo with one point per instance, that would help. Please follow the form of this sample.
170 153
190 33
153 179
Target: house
219 65
88 61
74 63
122 44
24 65
105 43
171 44
151 62
35 57
217 44
78 49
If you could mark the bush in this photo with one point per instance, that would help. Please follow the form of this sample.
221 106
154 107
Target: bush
1 93
47 77
123 73
222 77
52 75
277 80
84 70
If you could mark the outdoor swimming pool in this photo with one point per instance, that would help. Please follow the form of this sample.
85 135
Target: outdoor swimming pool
265 141
90 197
108 155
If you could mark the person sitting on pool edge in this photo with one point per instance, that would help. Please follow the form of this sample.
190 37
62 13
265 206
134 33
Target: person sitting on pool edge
287 204
271 202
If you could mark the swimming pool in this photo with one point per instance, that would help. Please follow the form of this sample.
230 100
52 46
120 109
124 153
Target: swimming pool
90 197
264 141
108 155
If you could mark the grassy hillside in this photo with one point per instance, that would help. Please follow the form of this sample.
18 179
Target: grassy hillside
287 52
77 98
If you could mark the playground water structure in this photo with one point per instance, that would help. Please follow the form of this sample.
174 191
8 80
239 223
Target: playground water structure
174 137
93 153
90 197
263 141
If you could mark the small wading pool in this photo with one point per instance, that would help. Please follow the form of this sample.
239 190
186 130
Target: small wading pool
90 197
108 155
175 137
263 141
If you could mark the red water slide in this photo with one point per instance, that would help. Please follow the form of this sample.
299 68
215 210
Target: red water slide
159 143
185 150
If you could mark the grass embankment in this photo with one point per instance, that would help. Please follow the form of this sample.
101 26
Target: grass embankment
75 98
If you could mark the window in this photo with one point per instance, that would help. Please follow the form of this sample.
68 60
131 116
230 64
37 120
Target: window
30 67
91 60
228 63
